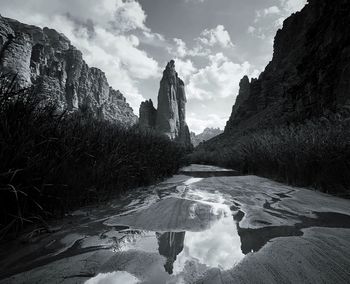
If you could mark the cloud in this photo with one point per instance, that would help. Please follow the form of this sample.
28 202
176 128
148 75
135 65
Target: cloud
216 36
251 29
269 11
198 124
292 6
178 48
266 29
208 40
105 31
185 69
219 79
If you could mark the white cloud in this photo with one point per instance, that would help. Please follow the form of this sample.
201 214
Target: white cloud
103 31
219 79
178 48
217 36
198 124
251 29
185 69
292 6
266 30
271 10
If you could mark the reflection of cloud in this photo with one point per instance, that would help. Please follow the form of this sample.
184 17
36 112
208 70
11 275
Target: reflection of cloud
113 277
217 247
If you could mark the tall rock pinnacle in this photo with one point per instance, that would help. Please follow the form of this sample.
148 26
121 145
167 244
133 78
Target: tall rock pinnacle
171 111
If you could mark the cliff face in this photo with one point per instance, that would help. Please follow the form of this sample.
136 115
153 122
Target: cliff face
309 74
170 116
46 59
206 135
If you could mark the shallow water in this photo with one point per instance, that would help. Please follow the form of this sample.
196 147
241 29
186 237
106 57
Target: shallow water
174 232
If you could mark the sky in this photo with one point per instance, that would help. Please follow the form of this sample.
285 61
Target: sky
214 44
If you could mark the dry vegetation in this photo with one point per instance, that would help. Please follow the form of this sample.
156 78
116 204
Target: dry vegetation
314 154
51 161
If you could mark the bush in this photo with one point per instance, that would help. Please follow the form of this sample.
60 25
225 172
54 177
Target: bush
315 154
52 161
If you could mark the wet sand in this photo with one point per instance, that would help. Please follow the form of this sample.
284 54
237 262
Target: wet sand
212 227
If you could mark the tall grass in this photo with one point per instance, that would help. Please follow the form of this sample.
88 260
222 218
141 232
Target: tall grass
315 154
52 161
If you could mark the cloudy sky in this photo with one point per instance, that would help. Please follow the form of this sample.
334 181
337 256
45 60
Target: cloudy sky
214 44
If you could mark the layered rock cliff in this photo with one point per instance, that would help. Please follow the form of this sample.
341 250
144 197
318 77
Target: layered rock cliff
309 75
207 134
46 59
170 116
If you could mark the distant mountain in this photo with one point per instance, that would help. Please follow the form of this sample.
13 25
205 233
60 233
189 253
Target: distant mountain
207 134
46 59
308 75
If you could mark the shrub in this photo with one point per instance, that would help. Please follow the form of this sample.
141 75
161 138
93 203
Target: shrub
52 161
315 154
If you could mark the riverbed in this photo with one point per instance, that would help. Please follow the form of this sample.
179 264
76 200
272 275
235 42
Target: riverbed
204 225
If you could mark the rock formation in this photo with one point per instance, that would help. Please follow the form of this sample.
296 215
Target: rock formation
309 75
46 59
170 246
148 115
206 135
170 116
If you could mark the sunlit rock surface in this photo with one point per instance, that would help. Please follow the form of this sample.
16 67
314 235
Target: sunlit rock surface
209 229
46 59
170 116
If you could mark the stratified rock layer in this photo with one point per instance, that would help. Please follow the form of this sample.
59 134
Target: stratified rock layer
170 116
46 59
309 75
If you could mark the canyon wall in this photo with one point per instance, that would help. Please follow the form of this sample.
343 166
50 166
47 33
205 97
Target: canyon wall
46 59
308 76
207 134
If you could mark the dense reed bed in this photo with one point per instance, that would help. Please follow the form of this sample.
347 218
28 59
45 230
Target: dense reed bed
53 161
314 154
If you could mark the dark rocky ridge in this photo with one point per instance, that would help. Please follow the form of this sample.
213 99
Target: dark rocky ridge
46 59
170 116
309 75
207 134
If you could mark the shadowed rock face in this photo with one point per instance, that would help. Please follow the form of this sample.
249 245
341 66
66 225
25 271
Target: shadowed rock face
148 114
308 75
207 134
171 112
46 59
170 245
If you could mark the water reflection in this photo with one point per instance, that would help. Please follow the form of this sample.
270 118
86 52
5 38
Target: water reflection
220 247
113 278
170 245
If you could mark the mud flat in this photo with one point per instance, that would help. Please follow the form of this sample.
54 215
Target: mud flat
214 228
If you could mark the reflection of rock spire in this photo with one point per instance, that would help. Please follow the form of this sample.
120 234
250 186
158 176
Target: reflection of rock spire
170 245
